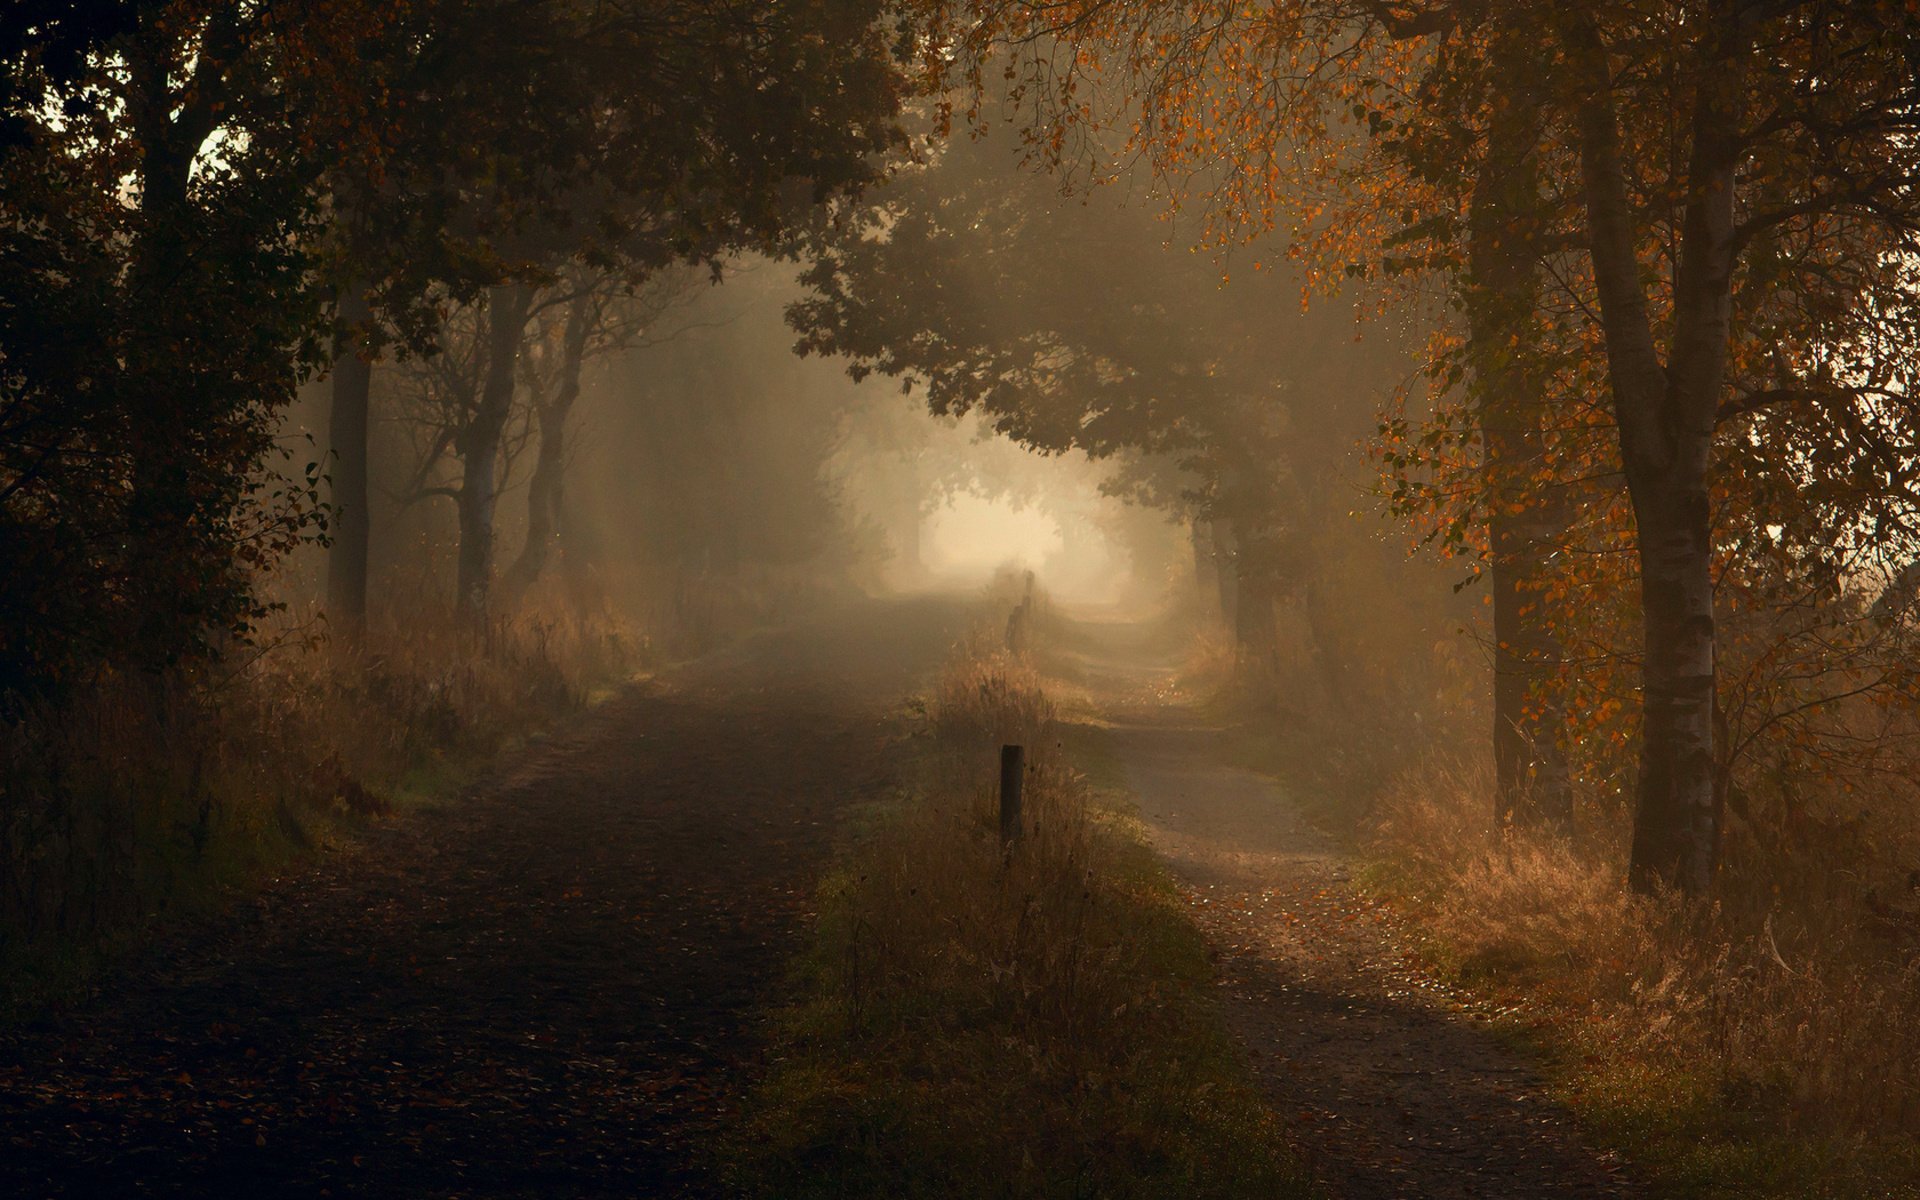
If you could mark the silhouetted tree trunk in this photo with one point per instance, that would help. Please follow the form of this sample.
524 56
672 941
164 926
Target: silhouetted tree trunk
1330 659
1206 580
546 492
1530 762
1226 575
479 446
1257 592
163 419
352 526
1665 413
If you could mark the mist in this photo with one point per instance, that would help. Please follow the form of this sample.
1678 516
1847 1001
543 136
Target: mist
818 598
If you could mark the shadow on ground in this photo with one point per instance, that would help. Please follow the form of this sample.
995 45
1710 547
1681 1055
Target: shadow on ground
1390 1088
545 990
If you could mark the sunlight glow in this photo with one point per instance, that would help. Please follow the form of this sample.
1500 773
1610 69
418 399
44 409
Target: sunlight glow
971 535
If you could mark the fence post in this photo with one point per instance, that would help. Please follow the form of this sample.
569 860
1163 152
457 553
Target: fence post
1013 761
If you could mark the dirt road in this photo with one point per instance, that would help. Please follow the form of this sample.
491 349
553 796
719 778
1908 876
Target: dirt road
543 990
1393 1092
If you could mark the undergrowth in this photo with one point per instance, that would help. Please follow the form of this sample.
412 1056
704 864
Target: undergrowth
1732 1049
140 796
1764 1043
973 1022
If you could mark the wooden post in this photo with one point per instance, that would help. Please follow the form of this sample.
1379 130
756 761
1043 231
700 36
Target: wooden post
1013 762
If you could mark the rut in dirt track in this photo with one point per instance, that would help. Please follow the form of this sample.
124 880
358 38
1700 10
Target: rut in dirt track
545 990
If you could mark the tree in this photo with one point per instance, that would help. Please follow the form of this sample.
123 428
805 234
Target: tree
1825 142
1207 84
462 395
1501 295
158 205
1069 329
442 397
1266 90
1774 412
563 158
602 315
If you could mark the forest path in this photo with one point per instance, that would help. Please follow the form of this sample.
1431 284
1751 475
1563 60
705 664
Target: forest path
545 989
1392 1093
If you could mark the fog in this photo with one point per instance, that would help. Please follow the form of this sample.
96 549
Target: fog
804 598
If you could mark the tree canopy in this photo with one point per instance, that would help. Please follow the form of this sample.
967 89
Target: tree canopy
1718 216
189 187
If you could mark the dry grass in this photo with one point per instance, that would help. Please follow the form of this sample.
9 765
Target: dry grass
987 697
141 795
975 1023
1212 658
421 690
1738 1048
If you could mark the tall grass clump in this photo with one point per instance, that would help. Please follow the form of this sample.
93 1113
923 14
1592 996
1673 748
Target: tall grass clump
136 795
1763 1043
974 1020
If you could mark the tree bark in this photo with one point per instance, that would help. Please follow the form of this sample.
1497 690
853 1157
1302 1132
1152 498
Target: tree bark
1206 586
1330 660
1665 414
1226 576
546 492
1256 594
1527 521
479 446
352 526
164 415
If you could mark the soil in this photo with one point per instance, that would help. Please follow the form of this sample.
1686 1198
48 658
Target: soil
545 989
1393 1088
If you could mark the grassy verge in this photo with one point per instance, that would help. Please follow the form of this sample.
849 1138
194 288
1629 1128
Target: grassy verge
970 1023
1723 1060
1765 1045
1726 1057
143 800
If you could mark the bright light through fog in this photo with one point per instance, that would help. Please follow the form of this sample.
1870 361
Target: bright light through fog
972 535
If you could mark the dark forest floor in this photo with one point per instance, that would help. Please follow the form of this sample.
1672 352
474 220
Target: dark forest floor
1392 1090
546 989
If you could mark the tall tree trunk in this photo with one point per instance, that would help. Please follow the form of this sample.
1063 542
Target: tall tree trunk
1665 414
546 492
545 496
1206 584
1226 575
1676 829
479 446
1533 784
165 418
1329 658
352 525
1257 593
1528 520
